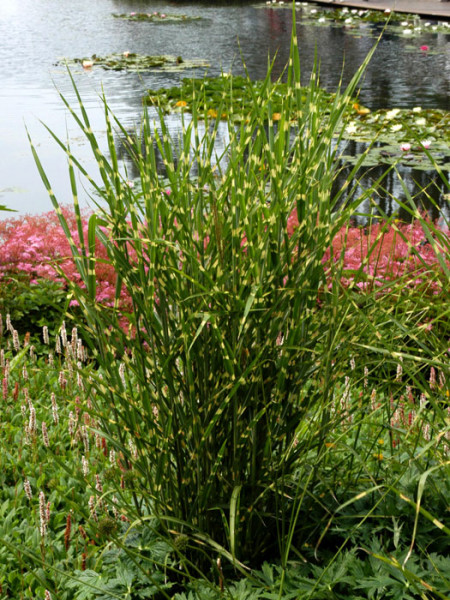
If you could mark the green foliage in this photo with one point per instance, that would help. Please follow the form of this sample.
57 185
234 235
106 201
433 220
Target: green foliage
226 329
33 305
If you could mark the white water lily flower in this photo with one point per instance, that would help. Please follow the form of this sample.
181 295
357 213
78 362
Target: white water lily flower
322 20
405 147
427 24
421 121
404 24
426 144
417 109
396 127
349 20
313 11
391 114
351 128
407 31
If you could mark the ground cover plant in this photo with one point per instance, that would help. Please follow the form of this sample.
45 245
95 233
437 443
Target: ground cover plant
66 494
271 417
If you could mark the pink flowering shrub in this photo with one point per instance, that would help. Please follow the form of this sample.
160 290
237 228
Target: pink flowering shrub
36 247
385 253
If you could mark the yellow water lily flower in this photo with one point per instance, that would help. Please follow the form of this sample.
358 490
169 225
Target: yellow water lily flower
276 116
181 103
361 110
212 113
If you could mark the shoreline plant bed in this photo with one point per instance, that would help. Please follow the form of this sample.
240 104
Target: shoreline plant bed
69 524
130 61
156 17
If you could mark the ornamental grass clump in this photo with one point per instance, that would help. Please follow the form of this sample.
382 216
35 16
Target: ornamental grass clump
222 371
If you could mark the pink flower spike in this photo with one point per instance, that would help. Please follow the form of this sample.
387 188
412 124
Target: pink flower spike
424 48
405 147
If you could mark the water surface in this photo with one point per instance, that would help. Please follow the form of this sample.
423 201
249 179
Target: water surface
34 34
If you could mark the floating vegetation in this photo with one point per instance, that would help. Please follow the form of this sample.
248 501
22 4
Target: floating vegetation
355 20
418 157
156 17
129 61
410 136
231 96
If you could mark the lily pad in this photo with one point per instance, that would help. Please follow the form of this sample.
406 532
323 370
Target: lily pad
156 17
398 125
129 61
417 158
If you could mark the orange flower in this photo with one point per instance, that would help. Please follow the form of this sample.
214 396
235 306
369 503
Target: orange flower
181 103
276 116
361 110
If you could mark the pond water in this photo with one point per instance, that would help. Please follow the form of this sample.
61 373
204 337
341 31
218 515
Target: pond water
34 34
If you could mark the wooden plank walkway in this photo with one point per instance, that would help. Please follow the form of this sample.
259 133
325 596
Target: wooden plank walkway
439 9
